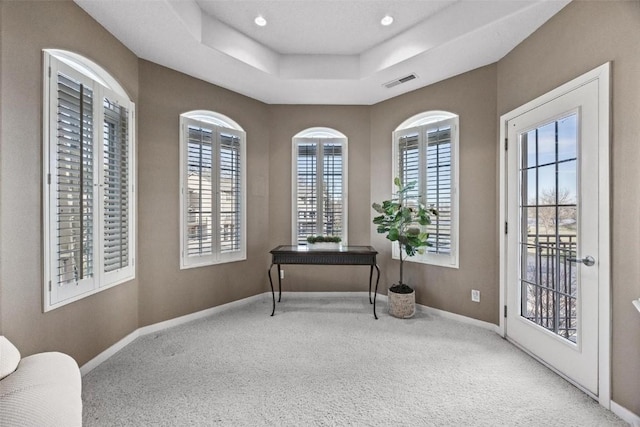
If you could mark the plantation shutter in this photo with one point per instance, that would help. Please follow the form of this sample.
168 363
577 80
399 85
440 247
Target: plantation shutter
439 188
409 162
332 178
74 179
307 190
320 192
116 164
88 204
212 191
230 193
199 187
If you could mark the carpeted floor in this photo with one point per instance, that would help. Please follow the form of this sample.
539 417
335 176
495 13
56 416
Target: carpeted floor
327 362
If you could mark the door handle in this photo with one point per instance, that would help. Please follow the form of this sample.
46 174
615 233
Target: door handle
588 260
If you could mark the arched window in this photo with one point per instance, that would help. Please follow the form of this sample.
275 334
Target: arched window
319 187
425 151
212 189
89 171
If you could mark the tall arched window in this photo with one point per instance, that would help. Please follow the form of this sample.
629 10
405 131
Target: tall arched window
319 184
425 151
89 171
212 189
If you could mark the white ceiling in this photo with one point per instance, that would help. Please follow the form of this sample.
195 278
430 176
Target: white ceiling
321 52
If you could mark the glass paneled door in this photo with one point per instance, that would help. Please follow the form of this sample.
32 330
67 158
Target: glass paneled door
548 233
553 241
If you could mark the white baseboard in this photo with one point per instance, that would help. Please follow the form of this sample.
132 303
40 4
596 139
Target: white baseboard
145 330
451 316
625 414
105 355
458 317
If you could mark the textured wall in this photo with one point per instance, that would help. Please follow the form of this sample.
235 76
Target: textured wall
472 96
86 327
581 37
165 291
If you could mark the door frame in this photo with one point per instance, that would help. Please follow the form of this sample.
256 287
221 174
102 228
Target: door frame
600 74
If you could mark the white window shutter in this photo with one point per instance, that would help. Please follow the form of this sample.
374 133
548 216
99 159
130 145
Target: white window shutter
199 192
116 165
319 187
89 210
332 189
73 180
230 185
307 190
426 154
213 195
439 188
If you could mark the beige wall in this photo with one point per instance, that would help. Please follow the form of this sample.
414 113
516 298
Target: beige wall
581 37
165 290
86 327
353 121
472 96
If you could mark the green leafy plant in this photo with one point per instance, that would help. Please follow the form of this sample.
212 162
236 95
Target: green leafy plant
324 239
403 219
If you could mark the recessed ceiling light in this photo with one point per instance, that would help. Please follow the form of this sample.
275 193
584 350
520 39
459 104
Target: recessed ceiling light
260 21
387 20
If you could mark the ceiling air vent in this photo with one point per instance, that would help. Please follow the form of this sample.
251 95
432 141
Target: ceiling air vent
401 80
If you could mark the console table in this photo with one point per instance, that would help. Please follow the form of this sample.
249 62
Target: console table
344 255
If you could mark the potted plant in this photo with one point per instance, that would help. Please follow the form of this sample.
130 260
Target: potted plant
403 220
324 242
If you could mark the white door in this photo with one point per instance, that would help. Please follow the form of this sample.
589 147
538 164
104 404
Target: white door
552 255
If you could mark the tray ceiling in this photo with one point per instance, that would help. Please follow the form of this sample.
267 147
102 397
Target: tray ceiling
321 52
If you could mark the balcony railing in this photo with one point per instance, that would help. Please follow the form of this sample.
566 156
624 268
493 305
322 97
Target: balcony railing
550 283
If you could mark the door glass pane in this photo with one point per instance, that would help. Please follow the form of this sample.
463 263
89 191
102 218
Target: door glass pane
546 142
549 226
567 137
546 191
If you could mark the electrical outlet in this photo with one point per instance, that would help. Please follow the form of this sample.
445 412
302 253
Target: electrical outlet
282 274
475 295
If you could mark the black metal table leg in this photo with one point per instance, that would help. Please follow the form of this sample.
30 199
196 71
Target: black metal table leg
376 292
279 284
370 277
273 295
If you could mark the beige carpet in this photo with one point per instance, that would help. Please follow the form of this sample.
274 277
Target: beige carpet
327 362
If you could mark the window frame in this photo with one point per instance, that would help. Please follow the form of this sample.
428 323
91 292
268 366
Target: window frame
421 124
219 124
102 85
319 135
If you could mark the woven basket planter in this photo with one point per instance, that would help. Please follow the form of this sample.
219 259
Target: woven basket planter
402 306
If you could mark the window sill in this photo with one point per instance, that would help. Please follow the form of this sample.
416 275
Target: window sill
441 261
209 263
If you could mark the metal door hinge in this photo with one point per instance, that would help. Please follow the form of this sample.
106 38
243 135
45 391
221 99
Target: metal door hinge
506 227
49 285
505 311
506 144
49 178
